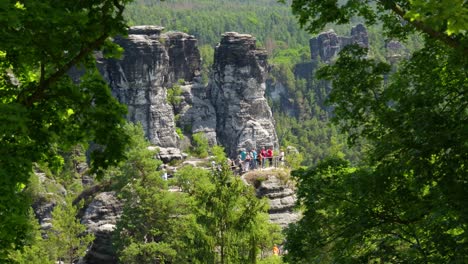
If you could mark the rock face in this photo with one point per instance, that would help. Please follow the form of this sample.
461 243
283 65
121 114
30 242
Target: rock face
396 51
282 200
236 90
231 111
101 217
152 63
197 114
45 202
327 44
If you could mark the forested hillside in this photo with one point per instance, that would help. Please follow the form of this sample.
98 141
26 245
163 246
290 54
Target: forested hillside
267 20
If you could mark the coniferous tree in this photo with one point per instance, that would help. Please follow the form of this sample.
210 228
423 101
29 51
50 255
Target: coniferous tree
67 238
234 220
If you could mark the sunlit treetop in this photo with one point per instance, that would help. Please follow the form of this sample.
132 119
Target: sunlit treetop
444 20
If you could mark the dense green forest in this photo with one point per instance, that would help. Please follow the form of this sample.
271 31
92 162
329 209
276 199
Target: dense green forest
214 210
267 20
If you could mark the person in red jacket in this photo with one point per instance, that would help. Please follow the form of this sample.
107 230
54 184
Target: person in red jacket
263 153
270 156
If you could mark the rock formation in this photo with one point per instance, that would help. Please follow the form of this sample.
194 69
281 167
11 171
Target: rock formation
236 90
327 44
197 114
281 198
101 217
232 110
395 51
152 62
50 194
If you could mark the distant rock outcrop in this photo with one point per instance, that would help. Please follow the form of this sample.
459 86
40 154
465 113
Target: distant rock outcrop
327 44
236 90
395 51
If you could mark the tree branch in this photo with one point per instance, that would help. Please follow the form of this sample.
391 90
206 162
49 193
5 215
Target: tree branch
91 191
45 83
426 29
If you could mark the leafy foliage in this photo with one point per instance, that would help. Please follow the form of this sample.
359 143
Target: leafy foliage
216 212
67 239
200 145
173 94
303 120
41 109
234 221
36 250
156 224
406 204
441 20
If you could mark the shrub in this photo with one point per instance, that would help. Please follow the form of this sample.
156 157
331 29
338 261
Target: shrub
200 145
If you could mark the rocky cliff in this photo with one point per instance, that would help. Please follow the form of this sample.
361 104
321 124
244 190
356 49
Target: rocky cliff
327 44
236 90
323 48
139 80
231 111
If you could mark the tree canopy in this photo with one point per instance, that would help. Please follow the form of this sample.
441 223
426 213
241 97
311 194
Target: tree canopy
444 20
405 203
42 110
214 218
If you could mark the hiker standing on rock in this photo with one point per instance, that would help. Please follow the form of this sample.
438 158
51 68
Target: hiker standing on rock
253 162
270 156
248 159
263 152
259 160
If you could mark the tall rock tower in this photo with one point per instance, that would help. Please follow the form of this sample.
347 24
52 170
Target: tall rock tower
236 90
152 63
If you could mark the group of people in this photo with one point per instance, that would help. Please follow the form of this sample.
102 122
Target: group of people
251 159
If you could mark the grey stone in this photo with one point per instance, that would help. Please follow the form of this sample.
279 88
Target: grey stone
281 198
169 154
101 217
396 51
152 63
140 80
198 114
236 90
328 44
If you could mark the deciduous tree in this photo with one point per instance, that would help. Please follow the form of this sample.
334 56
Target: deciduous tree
41 109
406 204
